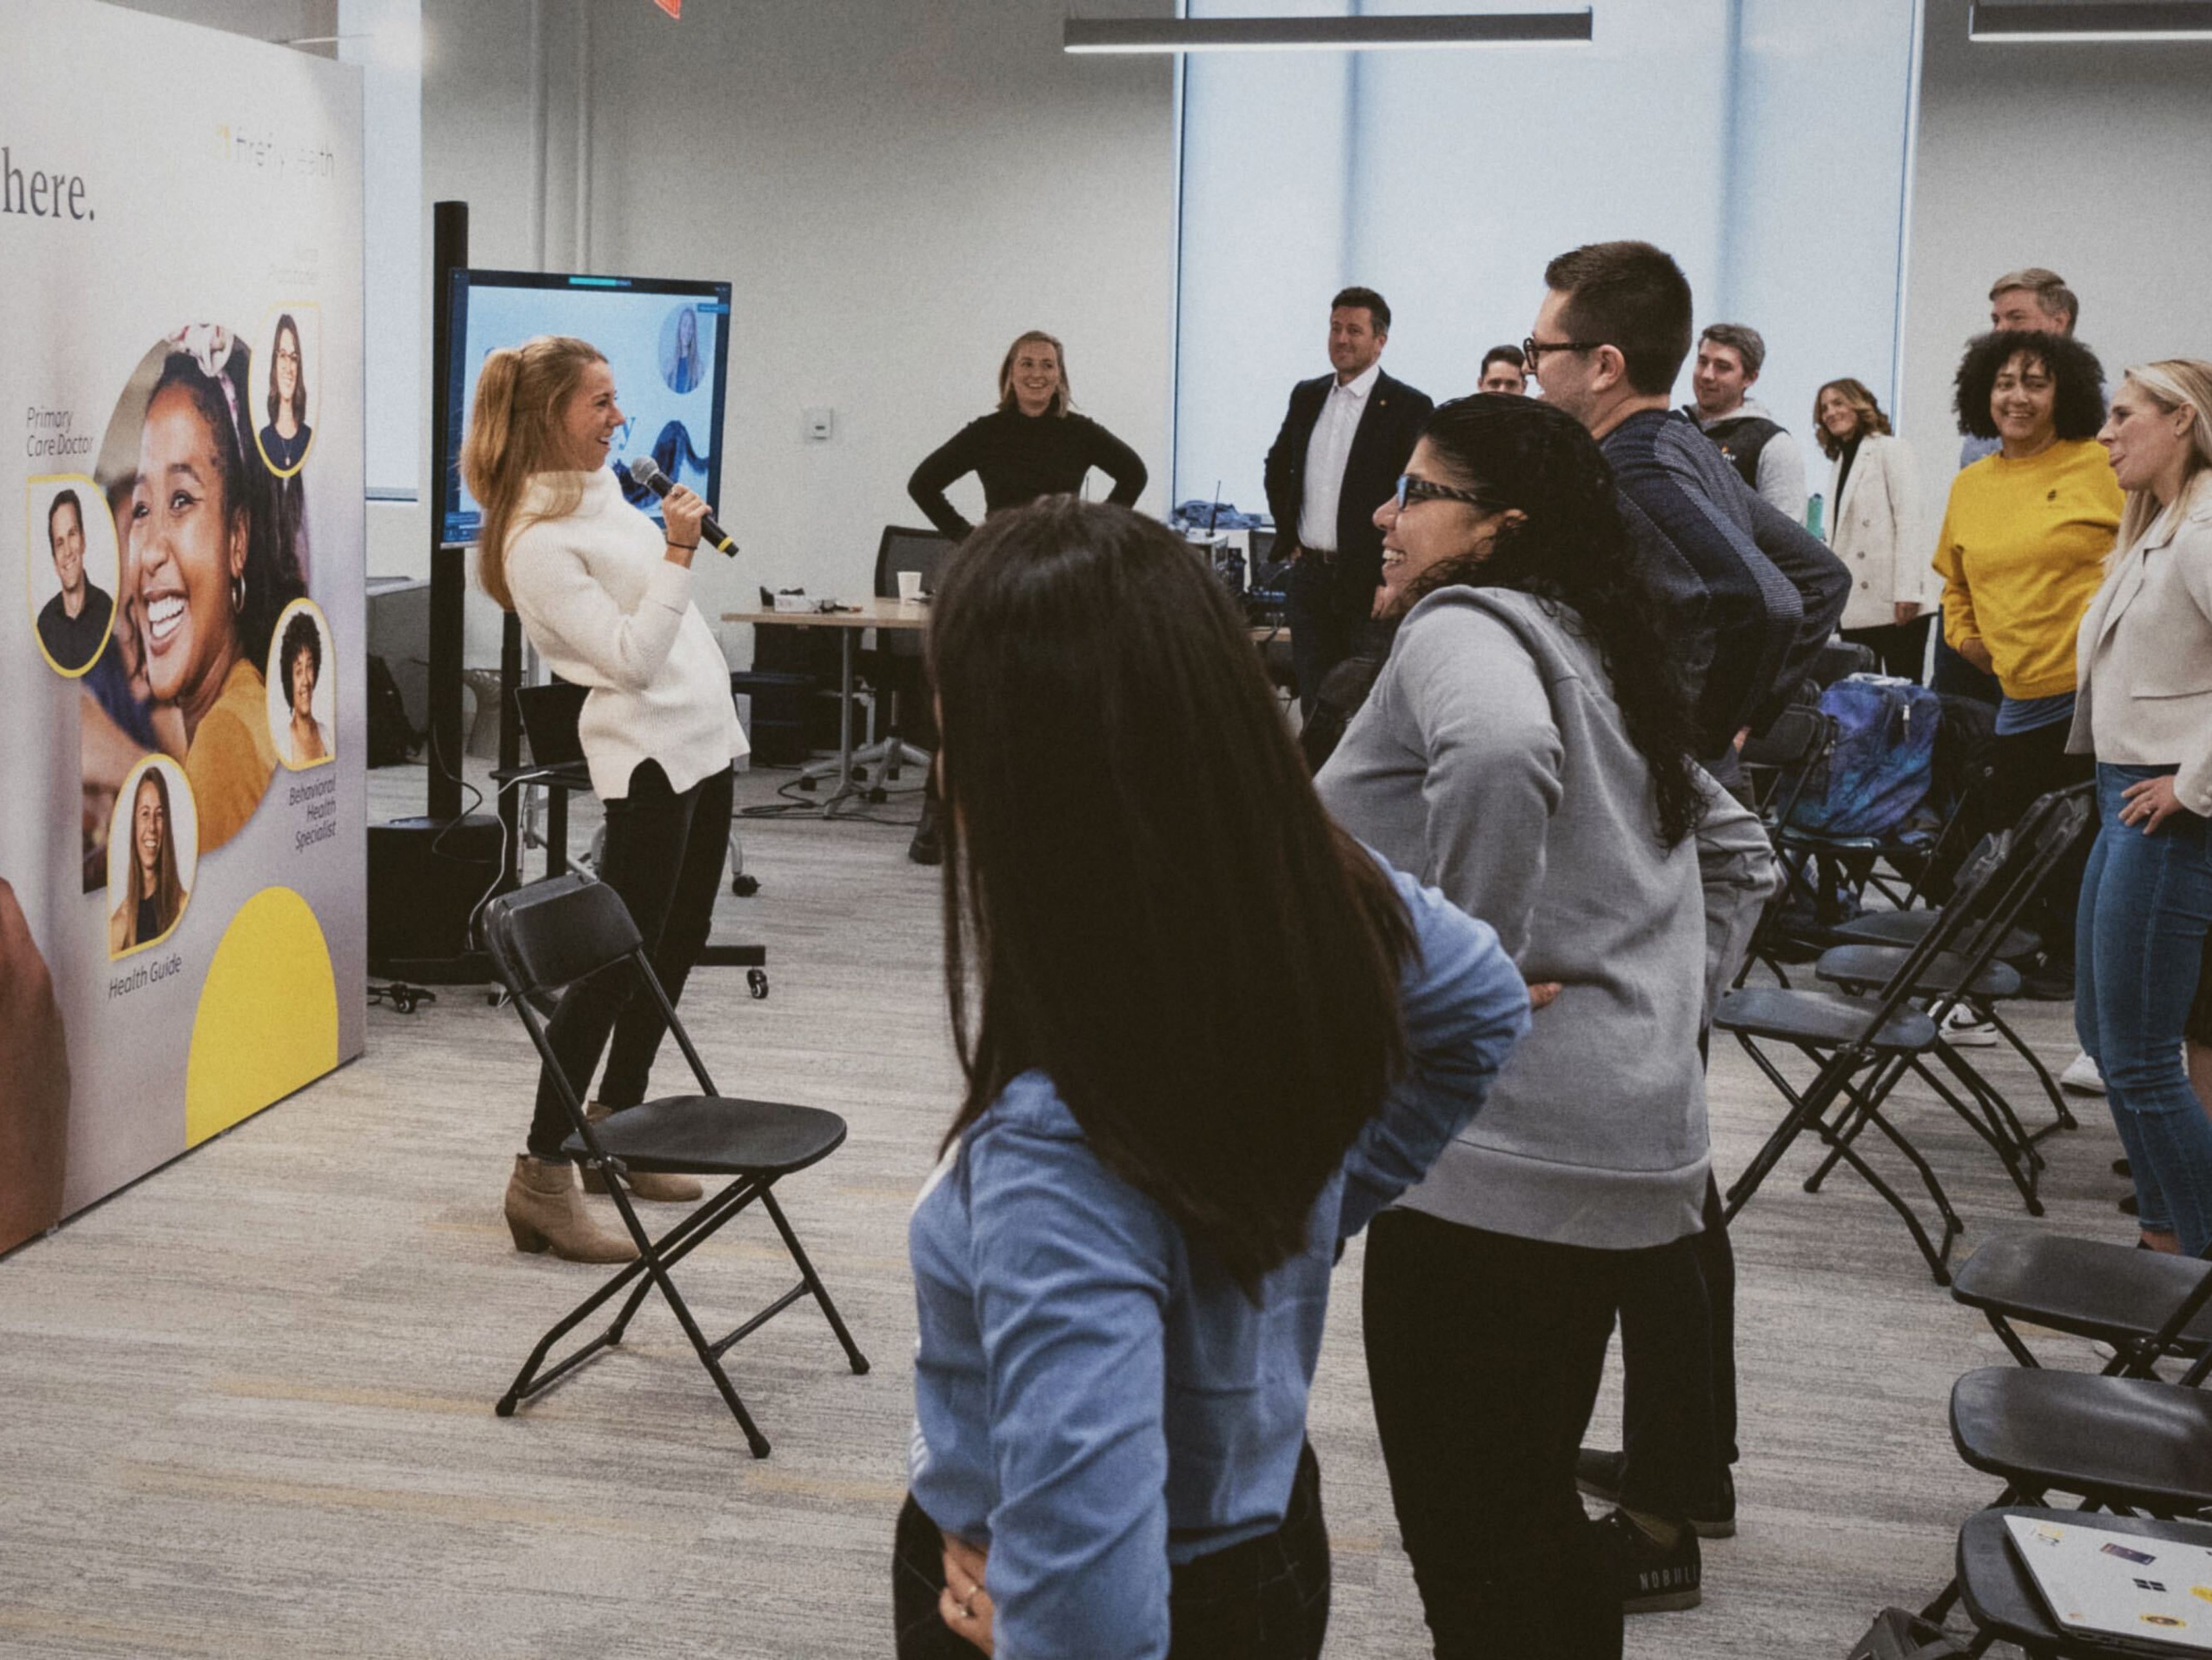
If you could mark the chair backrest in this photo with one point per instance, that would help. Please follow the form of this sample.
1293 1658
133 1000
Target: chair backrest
1995 884
554 932
905 549
1789 751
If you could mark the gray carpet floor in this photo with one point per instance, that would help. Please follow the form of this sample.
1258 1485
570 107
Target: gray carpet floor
246 1405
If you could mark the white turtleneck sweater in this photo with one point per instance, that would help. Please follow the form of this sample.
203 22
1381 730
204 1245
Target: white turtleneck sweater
608 610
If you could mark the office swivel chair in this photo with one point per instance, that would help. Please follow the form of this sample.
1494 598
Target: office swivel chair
897 668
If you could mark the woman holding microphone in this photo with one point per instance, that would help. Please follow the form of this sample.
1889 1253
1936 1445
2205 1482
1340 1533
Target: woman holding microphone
606 597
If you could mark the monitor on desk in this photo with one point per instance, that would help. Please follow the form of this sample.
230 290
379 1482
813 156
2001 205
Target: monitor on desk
667 341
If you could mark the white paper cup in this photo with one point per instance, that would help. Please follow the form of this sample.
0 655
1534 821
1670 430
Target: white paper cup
909 583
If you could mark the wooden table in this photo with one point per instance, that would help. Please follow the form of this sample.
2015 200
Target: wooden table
873 613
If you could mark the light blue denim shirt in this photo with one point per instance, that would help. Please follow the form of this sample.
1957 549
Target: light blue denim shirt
1094 1399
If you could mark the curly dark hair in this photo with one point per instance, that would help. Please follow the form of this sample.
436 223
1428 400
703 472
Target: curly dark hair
1573 550
300 634
2080 376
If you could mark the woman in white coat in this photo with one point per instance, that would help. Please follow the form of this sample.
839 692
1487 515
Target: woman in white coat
1873 496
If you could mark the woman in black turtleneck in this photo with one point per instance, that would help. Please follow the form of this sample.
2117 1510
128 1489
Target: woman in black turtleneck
1033 444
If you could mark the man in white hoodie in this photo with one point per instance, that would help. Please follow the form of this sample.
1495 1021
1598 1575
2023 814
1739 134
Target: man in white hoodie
1729 357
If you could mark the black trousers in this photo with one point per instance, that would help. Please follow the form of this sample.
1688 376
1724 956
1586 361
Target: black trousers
1266 1599
2024 765
1953 676
663 855
1324 624
1678 1364
1485 1353
1901 649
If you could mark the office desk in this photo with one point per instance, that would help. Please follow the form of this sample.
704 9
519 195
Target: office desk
864 614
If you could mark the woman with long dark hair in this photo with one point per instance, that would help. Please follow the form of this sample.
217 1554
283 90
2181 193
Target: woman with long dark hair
1528 748
154 898
285 442
1206 1036
208 577
606 597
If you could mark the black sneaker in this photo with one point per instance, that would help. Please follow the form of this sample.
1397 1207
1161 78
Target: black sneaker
1653 1579
1599 1474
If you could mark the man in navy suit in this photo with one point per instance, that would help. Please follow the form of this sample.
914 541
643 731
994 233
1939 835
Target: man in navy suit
1346 438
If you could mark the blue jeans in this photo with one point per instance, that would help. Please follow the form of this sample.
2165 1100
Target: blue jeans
2146 907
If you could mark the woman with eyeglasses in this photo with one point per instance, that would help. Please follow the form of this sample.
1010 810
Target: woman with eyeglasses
1183 1094
1528 749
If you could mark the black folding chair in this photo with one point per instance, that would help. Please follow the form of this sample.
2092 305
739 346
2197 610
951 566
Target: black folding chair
2087 1288
2123 1443
1862 1047
561 930
2003 1601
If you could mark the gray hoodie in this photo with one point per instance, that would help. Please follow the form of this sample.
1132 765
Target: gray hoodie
1491 759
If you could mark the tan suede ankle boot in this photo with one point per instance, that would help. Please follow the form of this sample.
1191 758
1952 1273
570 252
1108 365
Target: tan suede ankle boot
545 1211
642 1184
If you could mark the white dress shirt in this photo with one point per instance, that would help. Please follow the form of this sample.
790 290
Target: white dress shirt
1327 452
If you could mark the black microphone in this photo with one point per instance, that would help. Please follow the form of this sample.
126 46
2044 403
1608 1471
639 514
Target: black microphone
645 471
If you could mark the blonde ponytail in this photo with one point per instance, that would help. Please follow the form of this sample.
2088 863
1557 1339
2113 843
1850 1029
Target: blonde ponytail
513 433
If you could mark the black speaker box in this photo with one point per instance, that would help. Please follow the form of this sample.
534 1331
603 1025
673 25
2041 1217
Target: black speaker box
425 878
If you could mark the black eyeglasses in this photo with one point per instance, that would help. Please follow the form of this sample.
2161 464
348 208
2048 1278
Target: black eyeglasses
1411 489
1533 348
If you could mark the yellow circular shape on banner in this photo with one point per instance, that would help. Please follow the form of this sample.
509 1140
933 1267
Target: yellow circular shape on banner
268 1019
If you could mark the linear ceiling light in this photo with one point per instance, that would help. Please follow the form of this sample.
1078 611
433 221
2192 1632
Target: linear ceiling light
1180 34
2027 24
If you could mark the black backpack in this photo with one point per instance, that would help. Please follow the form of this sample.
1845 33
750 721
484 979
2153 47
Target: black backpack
1899 1635
392 740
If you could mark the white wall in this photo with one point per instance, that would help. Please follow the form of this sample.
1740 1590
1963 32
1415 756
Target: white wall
2091 159
1448 180
894 191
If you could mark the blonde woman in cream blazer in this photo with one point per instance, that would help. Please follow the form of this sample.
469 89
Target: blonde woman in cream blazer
2144 657
1874 496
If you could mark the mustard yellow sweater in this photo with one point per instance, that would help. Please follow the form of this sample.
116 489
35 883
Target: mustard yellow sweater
2022 555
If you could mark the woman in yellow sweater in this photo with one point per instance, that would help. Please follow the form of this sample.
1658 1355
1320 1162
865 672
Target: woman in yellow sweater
2021 554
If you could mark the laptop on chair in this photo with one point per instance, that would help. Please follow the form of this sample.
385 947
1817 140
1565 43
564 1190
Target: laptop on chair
549 715
2133 1594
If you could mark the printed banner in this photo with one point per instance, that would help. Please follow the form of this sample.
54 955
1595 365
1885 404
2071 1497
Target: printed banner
182 829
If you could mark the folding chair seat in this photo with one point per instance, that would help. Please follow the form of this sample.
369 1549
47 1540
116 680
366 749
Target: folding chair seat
1863 1047
553 934
1909 927
2001 1599
2087 1288
1905 928
2125 1442
1981 986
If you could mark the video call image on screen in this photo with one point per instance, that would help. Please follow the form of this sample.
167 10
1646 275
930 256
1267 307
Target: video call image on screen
666 342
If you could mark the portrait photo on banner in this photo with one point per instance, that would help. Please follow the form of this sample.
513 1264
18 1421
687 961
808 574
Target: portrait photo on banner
205 573
153 856
69 570
302 676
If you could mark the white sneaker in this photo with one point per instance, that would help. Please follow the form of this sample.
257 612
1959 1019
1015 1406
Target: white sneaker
1964 1030
2082 1076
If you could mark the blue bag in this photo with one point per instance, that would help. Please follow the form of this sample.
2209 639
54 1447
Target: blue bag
1879 770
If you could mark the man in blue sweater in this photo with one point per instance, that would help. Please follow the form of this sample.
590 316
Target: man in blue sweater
1750 596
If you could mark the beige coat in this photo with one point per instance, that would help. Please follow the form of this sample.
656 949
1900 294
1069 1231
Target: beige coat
1876 531
2145 653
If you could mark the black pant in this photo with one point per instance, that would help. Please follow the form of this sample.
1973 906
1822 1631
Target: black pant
1485 1353
1266 1599
2022 766
1677 1364
1901 649
1323 623
1954 676
663 856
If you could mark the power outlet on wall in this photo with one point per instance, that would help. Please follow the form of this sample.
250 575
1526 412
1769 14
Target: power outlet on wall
816 425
